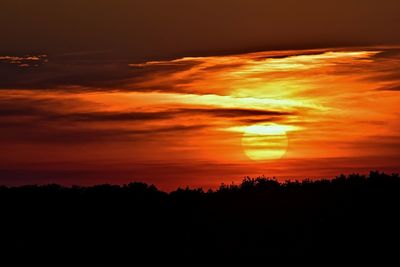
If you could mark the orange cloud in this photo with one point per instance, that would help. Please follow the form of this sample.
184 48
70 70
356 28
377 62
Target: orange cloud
336 110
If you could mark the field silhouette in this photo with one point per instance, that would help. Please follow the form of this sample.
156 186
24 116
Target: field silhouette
261 222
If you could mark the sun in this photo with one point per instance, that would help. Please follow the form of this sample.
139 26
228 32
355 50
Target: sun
265 142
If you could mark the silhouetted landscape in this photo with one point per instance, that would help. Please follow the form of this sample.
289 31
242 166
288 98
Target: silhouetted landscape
351 217
134 133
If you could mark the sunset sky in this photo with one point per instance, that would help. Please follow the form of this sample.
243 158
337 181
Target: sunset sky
197 93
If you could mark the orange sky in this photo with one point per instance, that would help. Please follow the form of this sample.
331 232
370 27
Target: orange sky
187 121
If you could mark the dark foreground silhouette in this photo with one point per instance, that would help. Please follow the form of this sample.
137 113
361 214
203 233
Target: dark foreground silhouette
257 223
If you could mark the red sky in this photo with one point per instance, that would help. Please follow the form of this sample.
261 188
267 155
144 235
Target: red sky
197 92
201 121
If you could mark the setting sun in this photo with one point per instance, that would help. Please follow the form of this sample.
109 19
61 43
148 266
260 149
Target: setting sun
224 116
262 142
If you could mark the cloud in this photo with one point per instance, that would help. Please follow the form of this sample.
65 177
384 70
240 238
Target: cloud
84 73
395 87
35 125
44 133
388 53
70 120
24 61
30 105
69 109
100 72
388 148
90 109
66 76
167 114
385 68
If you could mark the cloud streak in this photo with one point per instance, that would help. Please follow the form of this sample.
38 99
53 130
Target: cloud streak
339 109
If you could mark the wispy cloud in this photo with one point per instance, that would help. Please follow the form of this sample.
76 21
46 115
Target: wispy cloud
339 109
24 61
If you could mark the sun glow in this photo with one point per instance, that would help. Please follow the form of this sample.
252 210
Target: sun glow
265 142
218 116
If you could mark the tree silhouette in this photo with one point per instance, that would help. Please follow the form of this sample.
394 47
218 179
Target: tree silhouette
349 218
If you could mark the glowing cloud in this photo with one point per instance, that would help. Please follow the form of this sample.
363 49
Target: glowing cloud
257 113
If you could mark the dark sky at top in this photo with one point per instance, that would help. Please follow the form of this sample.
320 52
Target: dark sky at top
149 29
